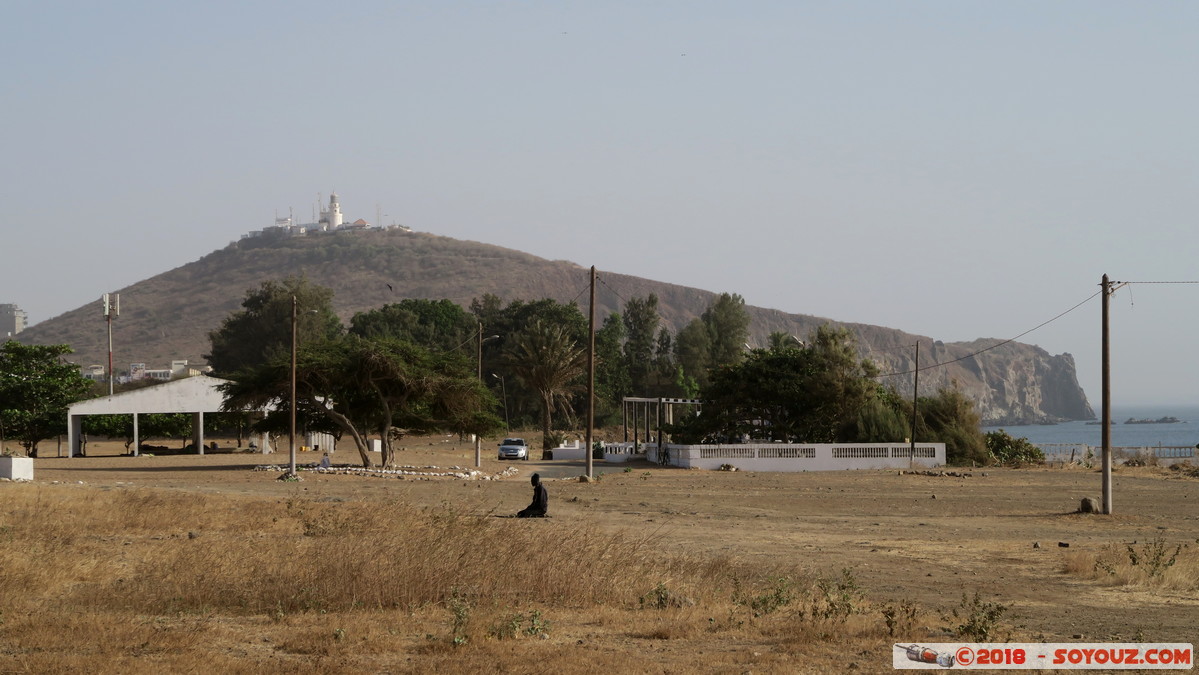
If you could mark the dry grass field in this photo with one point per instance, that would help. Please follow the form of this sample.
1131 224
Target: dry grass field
183 564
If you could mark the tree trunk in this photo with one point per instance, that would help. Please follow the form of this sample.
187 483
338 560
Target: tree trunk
546 425
344 422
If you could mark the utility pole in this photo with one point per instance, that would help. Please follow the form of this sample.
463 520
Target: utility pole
112 308
292 429
590 374
915 399
479 353
1107 401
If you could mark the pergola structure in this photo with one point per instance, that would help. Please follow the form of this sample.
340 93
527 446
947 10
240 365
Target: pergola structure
661 409
195 395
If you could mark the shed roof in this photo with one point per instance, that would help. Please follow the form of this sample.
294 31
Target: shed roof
189 395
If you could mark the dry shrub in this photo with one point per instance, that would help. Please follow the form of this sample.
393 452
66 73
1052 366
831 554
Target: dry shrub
1152 564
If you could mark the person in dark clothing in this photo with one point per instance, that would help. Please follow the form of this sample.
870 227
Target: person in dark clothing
540 500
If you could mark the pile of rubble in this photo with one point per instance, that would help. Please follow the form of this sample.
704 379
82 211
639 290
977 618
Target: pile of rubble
401 472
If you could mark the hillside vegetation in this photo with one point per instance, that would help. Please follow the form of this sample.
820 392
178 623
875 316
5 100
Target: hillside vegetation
169 316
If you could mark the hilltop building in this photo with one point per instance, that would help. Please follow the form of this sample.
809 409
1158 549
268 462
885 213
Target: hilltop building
331 217
331 220
12 320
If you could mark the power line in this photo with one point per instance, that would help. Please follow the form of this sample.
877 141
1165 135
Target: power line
1155 282
1001 343
614 291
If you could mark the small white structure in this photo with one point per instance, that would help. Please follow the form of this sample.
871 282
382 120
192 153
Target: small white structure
799 456
16 468
572 451
195 395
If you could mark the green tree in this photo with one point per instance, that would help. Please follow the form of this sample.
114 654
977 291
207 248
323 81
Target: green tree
549 361
950 418
611 375
693 352
434 324
524 403
882 419
779 340
261 331
36 387
665 375
727 323
641 324
810 395
387 386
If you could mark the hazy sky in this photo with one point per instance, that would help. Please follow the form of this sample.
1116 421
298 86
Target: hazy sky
953 169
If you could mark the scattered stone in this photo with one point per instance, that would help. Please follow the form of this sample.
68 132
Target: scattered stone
1076 636
193 535
934 496
1036 544
1089 505
1063 544
584 478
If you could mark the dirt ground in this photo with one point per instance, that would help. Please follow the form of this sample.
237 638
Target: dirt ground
907 537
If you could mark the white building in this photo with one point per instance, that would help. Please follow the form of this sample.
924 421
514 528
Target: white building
331 217
12 320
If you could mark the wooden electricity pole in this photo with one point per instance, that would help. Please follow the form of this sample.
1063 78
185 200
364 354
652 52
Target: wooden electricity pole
291 434
1107 402
590 374
479 363
915 394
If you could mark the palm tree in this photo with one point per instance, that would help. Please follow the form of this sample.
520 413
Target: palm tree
548 360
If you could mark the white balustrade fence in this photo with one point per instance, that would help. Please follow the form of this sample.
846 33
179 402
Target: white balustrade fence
1083 453
792 457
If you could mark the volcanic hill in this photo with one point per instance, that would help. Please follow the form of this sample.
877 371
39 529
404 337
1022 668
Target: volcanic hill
169 316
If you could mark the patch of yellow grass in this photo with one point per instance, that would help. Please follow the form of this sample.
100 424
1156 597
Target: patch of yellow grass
140 580
1152 564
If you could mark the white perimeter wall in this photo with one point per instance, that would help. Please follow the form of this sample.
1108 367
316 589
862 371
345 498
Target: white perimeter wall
797 457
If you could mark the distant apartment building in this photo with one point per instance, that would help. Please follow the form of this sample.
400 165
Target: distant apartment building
12 320
179 369
138 371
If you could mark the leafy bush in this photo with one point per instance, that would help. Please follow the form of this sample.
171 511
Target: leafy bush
979 620
949 417
1005 449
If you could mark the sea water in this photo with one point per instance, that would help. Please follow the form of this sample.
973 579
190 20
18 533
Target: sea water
1184 433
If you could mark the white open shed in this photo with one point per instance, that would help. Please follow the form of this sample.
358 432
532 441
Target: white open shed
195 395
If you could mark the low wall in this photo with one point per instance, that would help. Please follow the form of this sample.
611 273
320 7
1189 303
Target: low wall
800 457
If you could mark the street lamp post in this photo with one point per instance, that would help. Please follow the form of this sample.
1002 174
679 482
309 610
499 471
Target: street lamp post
479 352
504 389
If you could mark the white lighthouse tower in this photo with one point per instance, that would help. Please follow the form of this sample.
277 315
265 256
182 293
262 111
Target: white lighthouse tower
331 218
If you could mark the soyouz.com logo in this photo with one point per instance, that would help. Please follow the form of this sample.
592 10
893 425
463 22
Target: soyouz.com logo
1043 656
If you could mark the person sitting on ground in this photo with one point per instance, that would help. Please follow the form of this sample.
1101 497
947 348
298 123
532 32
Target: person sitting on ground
540 500
325 462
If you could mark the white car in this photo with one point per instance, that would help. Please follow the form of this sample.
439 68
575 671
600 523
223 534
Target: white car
514 448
